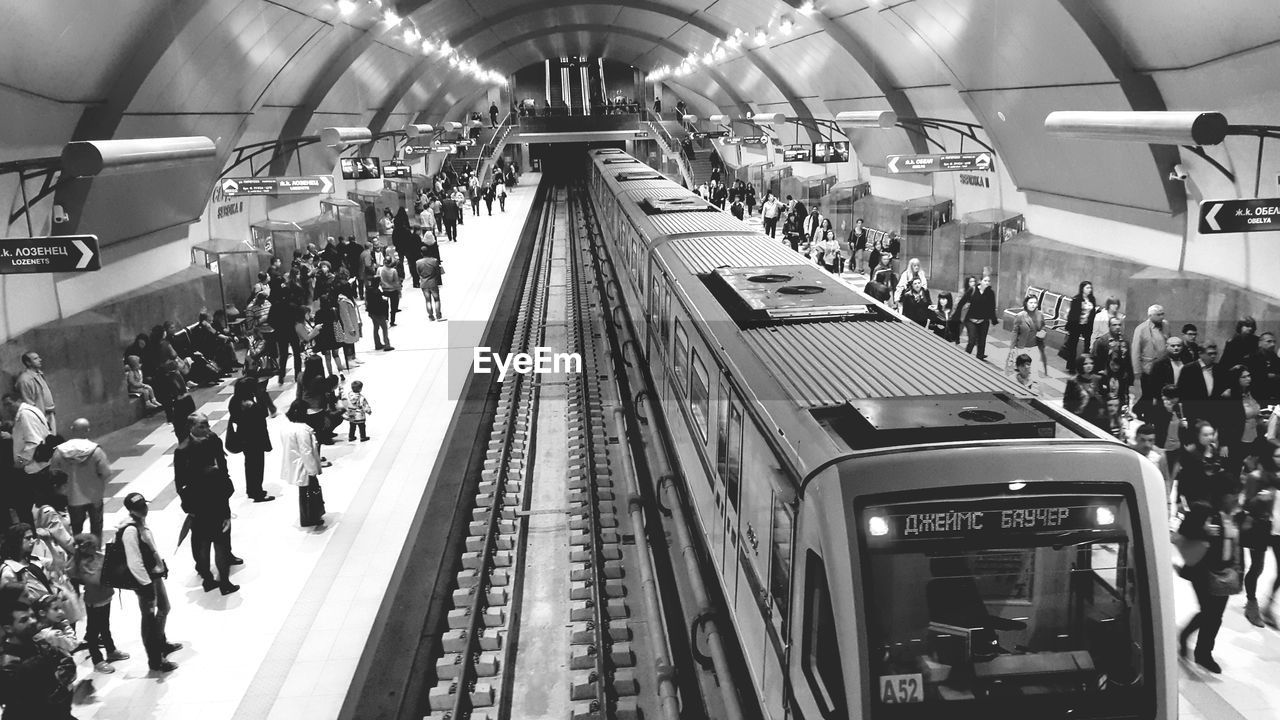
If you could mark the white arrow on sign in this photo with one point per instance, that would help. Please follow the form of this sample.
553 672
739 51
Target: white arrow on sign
326 183
85 254
1211 216
893 163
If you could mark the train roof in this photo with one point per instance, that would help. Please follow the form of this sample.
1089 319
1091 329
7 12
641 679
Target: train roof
827 364
705 253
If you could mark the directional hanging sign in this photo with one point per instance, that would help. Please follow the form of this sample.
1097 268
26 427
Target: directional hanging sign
60 253
948 162
303 185
1233 216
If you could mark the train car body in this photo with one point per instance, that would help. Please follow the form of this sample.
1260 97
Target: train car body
899 530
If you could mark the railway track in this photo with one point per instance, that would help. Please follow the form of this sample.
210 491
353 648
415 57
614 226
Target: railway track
546 598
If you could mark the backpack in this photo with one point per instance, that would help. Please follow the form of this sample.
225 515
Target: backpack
115 565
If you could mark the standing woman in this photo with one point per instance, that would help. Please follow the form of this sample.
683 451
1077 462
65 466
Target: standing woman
247 433
946 313
301 465
1079 322
390 280
1211 530
913 272
1262 532
1083 394
979 316
1239 419
1028 332
1199 462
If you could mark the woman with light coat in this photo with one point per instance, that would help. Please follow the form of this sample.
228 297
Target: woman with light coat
302 465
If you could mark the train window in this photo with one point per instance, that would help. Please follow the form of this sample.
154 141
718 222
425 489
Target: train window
654 303
733 461
722 429
780 568
666 314
1012 597
681 360
820 651
699 394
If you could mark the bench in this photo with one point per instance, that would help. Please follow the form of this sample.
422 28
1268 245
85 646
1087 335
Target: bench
1053 306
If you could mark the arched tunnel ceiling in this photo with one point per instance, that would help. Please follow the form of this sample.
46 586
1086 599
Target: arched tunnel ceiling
251 70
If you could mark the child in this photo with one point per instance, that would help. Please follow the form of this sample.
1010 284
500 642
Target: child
86 569
55 632
357 409
136 385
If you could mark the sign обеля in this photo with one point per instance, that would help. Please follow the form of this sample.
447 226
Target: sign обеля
303 185
60 253
1234 216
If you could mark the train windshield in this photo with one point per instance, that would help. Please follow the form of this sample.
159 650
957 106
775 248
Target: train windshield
1006 604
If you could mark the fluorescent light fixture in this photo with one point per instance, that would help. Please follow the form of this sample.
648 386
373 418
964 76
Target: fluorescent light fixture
690 118
867 118
768 118
341 137
761 37
427 47
455 61
786 25
389 17
808 8
411 35
417 130
708 58
96 157
346 7
1163 128
734 40
720 53
445 49
719 119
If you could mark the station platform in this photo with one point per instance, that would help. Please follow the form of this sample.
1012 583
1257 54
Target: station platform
286 645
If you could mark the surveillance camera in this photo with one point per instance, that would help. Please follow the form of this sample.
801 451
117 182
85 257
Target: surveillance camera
60 215
1179 173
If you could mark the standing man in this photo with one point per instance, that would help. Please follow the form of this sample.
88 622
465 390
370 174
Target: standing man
1111 358
1265 366
770 212
493 115
88 471
1149 339
1200 385
1144 441
200 474
858 244
149 571
33 389
30 428
450 213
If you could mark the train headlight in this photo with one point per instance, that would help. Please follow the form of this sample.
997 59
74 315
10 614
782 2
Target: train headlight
1105 515
878 526
1017 485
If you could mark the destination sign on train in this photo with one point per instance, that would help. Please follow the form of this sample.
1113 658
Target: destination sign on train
968 520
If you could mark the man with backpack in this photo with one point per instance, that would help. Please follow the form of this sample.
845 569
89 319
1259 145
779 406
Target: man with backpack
200 474
132 562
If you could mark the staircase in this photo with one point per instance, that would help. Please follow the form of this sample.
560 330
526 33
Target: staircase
700 167
557 87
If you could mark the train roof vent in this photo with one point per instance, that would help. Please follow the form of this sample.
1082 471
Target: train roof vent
609 151
619 161
640 175
676 204
888 422
759 296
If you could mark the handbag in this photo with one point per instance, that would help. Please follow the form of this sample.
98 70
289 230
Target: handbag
1225 582
233 444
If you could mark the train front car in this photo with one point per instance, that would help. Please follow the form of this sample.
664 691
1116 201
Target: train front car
990 579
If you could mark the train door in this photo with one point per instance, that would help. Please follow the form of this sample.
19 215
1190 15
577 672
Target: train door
653 344
753 604
716 531
727 497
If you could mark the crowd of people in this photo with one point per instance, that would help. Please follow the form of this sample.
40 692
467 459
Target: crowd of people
60 567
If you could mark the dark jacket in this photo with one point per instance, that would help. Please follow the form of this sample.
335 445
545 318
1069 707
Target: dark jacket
450 210
37 683
978 306
1193 528
248 419
1198 402
1073 313
1116 366
375 303
200 474
918 311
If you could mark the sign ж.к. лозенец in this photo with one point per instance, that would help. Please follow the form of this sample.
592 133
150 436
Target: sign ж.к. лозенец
59 253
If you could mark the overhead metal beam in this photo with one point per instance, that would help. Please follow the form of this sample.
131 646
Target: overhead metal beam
406 82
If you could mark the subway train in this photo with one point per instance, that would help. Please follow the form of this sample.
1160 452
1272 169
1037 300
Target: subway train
899 530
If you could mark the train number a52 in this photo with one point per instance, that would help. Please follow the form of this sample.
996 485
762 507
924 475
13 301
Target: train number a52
897 689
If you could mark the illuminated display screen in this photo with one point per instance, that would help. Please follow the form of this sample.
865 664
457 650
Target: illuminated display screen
987 518
369 168
795 153
831 152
